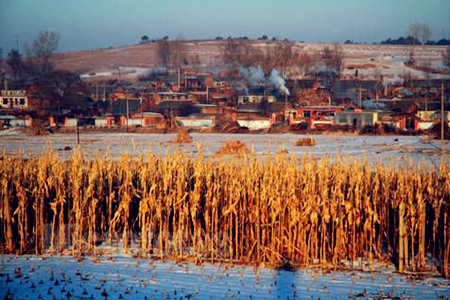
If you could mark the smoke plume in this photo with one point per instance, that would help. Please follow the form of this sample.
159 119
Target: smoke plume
279 82
252 75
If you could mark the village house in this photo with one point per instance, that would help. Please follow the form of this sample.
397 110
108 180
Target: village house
198 121
253 121
252 98
313 115
210 108
357 119
171 108
104 121
13 121
13 99
429 114
427 88
356 90
397 121
195 81
145 119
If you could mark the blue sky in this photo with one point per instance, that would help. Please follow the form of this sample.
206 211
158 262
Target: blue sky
87 24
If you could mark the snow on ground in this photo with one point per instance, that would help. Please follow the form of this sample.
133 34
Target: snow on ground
125 72
125 277
122 276
387 149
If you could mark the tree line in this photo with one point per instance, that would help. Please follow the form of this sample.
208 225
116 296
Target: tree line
54 89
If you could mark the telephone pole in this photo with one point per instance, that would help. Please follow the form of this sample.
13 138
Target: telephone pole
442 117
128 109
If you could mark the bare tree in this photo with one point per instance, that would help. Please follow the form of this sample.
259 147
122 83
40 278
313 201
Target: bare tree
43 48
171 53
240 52
425 34
420 32
15 64
305 63
278 55
414 31
163 52
282 55
230 51
333 58
177 53
61 89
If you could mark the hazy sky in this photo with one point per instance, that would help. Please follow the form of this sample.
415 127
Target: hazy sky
85 24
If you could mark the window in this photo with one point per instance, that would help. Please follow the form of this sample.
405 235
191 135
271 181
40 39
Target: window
307 114
22 101
245 99
342 119
5 101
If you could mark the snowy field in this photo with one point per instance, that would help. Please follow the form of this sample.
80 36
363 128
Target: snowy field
121 276
386 149
125 277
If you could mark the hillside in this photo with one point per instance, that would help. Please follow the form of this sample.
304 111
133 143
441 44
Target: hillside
136 59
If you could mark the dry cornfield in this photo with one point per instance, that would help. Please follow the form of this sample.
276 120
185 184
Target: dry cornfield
243 209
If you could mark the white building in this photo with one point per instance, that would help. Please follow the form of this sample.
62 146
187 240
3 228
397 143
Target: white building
13 99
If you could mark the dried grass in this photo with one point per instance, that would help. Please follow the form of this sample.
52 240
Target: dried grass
306 142
280 211
233 147
183 136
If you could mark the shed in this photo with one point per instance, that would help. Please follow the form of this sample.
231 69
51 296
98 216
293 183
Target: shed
356 119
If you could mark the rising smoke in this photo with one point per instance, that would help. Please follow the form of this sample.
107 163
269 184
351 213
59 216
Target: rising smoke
252 75
255 75
279 82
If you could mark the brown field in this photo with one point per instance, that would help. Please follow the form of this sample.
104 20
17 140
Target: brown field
207 54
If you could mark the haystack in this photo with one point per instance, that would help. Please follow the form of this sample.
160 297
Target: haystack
183 136
233 147
306 142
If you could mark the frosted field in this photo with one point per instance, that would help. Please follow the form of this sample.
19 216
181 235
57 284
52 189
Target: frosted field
114 275
386 149
125 277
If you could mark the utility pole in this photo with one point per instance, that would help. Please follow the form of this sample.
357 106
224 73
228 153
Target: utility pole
78 128
442 116
104 90
285 107
128 108
360 96
179 79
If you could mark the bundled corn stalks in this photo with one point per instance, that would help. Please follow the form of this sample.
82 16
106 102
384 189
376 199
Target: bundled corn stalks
233 147
308 142
183 136
283 211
